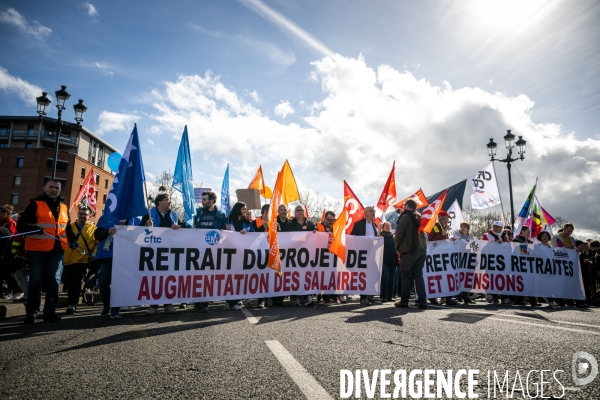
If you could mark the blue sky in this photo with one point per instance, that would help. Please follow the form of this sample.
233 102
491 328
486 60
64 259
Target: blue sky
340 88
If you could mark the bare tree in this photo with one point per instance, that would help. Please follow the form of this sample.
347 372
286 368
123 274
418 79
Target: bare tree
164 184
316 203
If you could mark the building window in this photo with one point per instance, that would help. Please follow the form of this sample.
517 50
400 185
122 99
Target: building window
83 172
14 199
17 180
104 198
61 165
28 145
105 183
3 145
97 179
20 161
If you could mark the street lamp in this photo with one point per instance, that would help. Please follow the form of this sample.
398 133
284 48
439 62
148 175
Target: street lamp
62 96
509 140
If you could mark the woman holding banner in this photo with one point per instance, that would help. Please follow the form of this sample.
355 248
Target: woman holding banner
238 222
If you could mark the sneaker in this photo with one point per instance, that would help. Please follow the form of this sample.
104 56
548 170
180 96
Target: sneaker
371 300
451 302
423 306
7 296
29 319
152 311
433 301
105 312
343 299
310 304
400 304
327 302
170 309
52 318
489 298
364 302
474 296
297 301
70 310
115 316
336 300
204 310
237 307
227 306
261 304
551 303
183 306
18 296
507 302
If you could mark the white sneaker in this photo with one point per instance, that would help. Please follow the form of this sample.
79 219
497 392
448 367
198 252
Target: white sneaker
17 296
507 302
151 311
170 309
237 307
297 301
343 298
364 302
309 298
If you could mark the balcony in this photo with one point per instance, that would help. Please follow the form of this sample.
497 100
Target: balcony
4 132
63 139
24 134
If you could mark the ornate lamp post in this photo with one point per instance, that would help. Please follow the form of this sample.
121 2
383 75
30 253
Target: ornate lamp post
509 139
61 100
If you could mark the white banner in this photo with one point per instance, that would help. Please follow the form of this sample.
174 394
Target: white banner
502 268
485 188
456 216
161 265
198 193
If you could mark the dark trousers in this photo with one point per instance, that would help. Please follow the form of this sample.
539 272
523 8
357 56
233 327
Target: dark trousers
7 273
73 275
411 269
104 279
44 266
387 281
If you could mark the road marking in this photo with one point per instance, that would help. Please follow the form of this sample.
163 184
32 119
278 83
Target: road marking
307 384
442 308
526 323
251 318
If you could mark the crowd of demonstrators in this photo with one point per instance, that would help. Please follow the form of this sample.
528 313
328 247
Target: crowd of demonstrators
54 246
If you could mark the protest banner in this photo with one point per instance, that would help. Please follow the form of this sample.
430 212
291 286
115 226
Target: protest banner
517 269
161 265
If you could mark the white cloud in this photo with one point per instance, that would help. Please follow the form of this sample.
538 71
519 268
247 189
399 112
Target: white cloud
283 109
288 26
90 9
150 142
105 69
13 17
25 90
254 96
370 117
111 121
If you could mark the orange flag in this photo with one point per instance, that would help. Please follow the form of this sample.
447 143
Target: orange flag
353 207
417 196
289 189
259 183
338 246
430 215
323 215
388 196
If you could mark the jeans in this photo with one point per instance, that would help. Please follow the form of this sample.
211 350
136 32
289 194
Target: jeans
411 268
48 266
388 273
23 277
73 277
104 279
397 282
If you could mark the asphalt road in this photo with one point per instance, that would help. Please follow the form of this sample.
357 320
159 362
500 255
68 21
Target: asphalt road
287 352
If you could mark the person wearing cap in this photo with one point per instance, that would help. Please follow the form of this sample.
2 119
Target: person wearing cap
440 232
496 235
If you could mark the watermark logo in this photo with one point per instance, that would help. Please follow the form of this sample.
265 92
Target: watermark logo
212 237
584 372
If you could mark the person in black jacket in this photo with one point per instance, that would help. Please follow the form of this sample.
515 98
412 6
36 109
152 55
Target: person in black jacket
523 237
299 224
366 227
390 263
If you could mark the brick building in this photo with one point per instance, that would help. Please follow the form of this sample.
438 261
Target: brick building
27 154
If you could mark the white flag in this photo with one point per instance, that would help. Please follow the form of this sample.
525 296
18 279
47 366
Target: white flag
485 188
456 215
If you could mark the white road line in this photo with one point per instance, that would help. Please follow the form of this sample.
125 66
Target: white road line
305 381
445 308
527 323
251 318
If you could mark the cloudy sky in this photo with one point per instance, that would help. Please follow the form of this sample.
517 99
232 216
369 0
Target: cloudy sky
339 88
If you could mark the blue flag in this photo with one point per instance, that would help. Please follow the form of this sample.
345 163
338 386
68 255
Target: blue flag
225 205
126 197
183 179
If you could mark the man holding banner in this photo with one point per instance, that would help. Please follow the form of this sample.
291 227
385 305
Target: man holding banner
366 227
413 249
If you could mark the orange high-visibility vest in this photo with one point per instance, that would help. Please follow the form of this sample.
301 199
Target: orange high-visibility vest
45 219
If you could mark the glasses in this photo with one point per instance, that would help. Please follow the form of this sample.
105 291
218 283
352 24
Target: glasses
330 219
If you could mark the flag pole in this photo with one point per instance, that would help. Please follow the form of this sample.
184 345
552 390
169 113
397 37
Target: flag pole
499 195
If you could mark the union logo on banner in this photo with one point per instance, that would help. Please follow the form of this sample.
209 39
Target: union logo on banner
523 249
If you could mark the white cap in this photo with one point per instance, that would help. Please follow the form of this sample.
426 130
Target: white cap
498 223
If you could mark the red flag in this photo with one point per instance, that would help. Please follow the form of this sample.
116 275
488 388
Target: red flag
417 196
306 212
353 206
388 196
87 193
430 215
